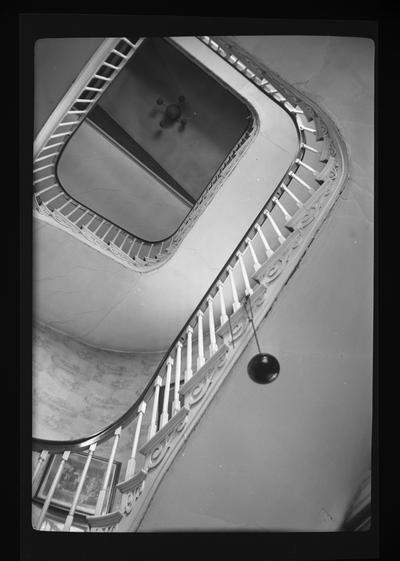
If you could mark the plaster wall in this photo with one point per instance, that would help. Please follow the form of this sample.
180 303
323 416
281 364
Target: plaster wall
57 64
77 389
290 455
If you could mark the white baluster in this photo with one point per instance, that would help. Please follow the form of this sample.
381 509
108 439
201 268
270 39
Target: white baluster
81 216
248 290
90 221
189 372
298 202
64 205
110 66
43 178
130 469
52 145
164 414
302 126
70 517
264 241
91 89
103 491
283 209
107 232
297 178
140 248
98 227
48 155
130 44
176 403
281 237
301 163
53 198
66 124
36 170
53 486
213 343
46 189
307 147
99 77
150 250
253 254
236 303
119 53
72 211
129 250
123 241
153 422
82 100
200 344
42 458
223 317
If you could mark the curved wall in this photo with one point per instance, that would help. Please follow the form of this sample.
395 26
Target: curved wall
77 389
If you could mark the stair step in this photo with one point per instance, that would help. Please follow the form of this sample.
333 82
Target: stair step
108 520
133 482
267 269
324 173
162 433
206 369
236 319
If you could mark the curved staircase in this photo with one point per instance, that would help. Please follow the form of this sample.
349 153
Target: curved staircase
214 336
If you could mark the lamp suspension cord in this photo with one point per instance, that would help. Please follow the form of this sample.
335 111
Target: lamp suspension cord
230 328
247 299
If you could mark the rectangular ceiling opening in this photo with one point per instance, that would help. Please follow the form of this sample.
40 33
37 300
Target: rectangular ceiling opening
153 142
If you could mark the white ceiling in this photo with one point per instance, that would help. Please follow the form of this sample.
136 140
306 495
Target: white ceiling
83 293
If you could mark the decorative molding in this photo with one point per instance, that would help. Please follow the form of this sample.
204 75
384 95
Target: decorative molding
274 266
64 221
238 320
155 449
131 490
328 172
95 240
196 387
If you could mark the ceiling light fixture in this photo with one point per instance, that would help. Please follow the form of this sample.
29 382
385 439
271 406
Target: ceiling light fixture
172 113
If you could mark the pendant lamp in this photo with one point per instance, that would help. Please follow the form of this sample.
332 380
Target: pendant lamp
263 368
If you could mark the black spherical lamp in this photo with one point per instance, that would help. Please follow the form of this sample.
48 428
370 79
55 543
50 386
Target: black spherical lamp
263 368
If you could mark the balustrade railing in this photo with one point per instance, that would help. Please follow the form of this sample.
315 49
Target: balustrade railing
52 201
204 351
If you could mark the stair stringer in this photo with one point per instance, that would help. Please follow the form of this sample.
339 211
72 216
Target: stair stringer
272 279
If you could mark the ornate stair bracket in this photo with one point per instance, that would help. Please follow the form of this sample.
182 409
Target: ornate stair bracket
61 219
195 389
131 490
105 522
311 209
231 333
156 448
